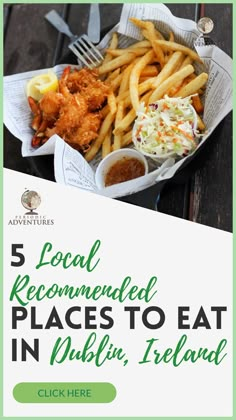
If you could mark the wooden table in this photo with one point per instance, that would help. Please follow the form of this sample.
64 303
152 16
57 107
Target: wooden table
203 191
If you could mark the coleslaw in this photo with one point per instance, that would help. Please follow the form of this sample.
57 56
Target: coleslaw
166 128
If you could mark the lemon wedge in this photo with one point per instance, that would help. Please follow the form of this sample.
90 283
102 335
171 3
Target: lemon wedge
39 85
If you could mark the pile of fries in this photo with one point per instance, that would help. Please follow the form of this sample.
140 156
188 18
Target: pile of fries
144 72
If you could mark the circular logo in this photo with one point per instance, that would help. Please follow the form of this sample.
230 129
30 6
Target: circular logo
205 25
30 200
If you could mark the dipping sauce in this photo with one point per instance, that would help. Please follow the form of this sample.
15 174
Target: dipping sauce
123 170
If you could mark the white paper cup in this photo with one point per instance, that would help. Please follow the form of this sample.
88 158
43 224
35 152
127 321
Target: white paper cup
111 159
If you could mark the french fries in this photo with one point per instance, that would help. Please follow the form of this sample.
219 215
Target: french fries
173 46
175 78
145 71
129 118
127 139
169 68
111 100
200 124
152 35
119 117
171 37
113 44
134 77
197 104
106 145
137 51
193 86
124 85
99 140
149 71
148 27
115 63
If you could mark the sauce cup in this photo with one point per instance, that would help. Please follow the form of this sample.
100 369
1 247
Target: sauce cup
118 155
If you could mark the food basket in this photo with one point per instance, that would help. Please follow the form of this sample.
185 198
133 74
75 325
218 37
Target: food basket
70 168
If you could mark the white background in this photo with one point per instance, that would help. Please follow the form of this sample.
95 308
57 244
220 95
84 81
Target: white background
193 264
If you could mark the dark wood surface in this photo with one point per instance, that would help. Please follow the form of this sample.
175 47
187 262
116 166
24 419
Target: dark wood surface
202 192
